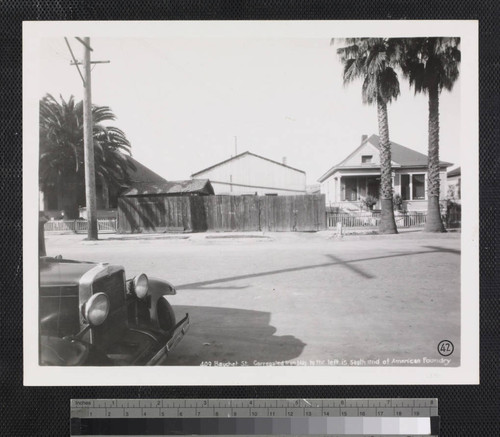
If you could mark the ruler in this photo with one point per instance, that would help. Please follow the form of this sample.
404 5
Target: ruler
251 417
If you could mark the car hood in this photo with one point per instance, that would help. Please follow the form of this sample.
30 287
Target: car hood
56 272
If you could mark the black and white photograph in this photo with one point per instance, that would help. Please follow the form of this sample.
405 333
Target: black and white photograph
250 202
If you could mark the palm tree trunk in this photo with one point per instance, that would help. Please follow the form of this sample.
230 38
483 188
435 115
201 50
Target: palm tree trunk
387 223
434 222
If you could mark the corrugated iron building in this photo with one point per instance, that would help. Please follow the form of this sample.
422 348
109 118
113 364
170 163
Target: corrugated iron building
251 174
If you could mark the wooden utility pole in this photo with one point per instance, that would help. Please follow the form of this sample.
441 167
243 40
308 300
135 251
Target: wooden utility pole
88 142
88 137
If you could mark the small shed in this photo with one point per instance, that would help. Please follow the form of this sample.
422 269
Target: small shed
191 187
163 206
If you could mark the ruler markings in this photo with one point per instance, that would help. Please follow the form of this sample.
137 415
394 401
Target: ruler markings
293 414
227 408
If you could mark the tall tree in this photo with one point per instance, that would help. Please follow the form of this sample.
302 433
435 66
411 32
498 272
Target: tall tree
373 61
431 65
62 154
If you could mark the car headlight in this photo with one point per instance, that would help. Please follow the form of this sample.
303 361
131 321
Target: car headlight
96 309
140 285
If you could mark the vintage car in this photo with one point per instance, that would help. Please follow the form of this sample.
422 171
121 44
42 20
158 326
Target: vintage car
91 315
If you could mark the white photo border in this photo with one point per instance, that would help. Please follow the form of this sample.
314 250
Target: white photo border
466 373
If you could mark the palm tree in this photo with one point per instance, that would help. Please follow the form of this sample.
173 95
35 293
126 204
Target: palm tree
432 64
373 60
62 152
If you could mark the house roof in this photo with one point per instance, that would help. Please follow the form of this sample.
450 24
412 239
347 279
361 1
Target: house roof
400 155
142 173
242 155
454 172
192 186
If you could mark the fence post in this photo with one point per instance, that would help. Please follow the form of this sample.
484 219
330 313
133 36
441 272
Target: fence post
41 236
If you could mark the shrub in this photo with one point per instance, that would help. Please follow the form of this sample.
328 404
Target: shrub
369 201
397 202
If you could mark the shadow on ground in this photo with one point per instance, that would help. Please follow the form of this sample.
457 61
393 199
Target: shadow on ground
334 261
231 336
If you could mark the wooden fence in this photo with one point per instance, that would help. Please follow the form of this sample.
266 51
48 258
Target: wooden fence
221 213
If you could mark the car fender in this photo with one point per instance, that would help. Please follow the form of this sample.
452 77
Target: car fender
158 289
56 351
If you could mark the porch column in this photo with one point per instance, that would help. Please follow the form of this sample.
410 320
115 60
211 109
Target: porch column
338 191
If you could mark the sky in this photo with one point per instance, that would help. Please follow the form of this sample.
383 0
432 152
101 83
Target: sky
188 103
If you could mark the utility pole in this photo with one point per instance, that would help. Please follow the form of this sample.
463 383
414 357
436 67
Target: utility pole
88 142
88 137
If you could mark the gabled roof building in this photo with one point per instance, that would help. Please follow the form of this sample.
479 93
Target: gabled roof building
347 183
251 174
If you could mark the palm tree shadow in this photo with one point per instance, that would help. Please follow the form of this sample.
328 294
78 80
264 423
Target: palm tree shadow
232 335
444 249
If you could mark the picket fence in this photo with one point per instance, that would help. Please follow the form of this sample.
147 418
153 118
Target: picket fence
79 226
413 219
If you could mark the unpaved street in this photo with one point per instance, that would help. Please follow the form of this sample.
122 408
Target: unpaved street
256 298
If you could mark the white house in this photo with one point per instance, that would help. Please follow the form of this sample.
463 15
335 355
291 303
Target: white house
248 173
346 184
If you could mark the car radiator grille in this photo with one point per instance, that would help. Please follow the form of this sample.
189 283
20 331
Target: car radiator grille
114 287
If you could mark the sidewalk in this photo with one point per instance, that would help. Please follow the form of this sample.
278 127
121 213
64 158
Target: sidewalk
331 234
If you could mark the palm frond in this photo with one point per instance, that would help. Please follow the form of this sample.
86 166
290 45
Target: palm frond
61 141
388 85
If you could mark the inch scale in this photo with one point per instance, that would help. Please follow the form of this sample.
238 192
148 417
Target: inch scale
249 417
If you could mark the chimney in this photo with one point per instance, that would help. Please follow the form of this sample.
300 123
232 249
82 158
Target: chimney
284 160
363 137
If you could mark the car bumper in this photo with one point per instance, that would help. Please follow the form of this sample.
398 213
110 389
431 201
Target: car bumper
178 333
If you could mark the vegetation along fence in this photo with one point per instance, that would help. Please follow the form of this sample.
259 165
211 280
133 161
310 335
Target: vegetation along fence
79 226
372 219
221 213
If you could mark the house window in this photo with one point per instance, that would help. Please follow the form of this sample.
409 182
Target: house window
366 159
405 186
413 187
418 182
